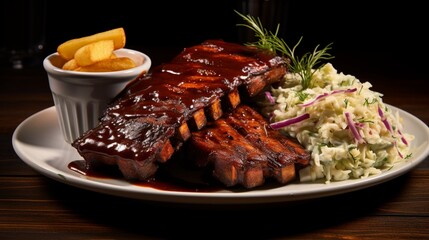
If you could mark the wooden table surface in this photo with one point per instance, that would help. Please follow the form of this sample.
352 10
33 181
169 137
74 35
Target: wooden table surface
33 206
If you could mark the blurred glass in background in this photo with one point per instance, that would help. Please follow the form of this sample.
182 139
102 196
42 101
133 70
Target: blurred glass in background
23 23
270 12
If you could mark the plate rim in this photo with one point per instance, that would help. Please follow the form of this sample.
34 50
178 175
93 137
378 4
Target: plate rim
227 197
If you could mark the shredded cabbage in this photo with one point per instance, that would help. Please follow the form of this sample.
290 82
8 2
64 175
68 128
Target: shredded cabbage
350 132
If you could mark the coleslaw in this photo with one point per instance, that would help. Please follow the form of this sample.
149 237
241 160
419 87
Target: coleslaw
346 127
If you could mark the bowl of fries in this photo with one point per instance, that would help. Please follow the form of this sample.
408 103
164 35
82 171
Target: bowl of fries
85 81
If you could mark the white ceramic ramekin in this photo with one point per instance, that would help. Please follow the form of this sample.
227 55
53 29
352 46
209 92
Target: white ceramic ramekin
81 97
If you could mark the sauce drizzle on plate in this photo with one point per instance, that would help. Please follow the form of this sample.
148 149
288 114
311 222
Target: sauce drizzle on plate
162 181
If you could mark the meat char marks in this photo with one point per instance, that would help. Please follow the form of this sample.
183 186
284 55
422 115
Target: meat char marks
155 114
242 149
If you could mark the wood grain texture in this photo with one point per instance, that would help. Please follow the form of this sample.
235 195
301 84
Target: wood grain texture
35 207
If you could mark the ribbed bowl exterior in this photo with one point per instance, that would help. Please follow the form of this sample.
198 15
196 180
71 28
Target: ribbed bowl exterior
76 116
81 97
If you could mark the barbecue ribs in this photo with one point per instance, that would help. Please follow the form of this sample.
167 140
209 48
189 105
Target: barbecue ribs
155 114
242 149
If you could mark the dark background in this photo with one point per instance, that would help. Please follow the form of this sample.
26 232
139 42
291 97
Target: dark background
367 36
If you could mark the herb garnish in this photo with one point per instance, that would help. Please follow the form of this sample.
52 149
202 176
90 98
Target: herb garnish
268 40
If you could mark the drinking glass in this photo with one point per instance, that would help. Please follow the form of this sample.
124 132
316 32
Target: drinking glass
23 26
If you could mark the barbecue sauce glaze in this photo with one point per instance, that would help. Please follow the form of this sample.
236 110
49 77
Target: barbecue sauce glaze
152 107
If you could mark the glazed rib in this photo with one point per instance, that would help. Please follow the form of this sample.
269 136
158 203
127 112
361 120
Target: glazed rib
242 149
234 159
156 113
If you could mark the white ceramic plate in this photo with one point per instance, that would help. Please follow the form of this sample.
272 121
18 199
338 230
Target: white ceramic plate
39 143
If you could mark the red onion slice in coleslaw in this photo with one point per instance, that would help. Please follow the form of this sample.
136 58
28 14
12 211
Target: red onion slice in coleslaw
287 122
353 129
321 96
270 97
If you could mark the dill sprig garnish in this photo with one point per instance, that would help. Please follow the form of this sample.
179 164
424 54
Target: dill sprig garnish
263 35
304 66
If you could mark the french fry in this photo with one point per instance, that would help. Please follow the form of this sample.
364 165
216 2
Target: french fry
68 49
94 52
70 65
108 65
